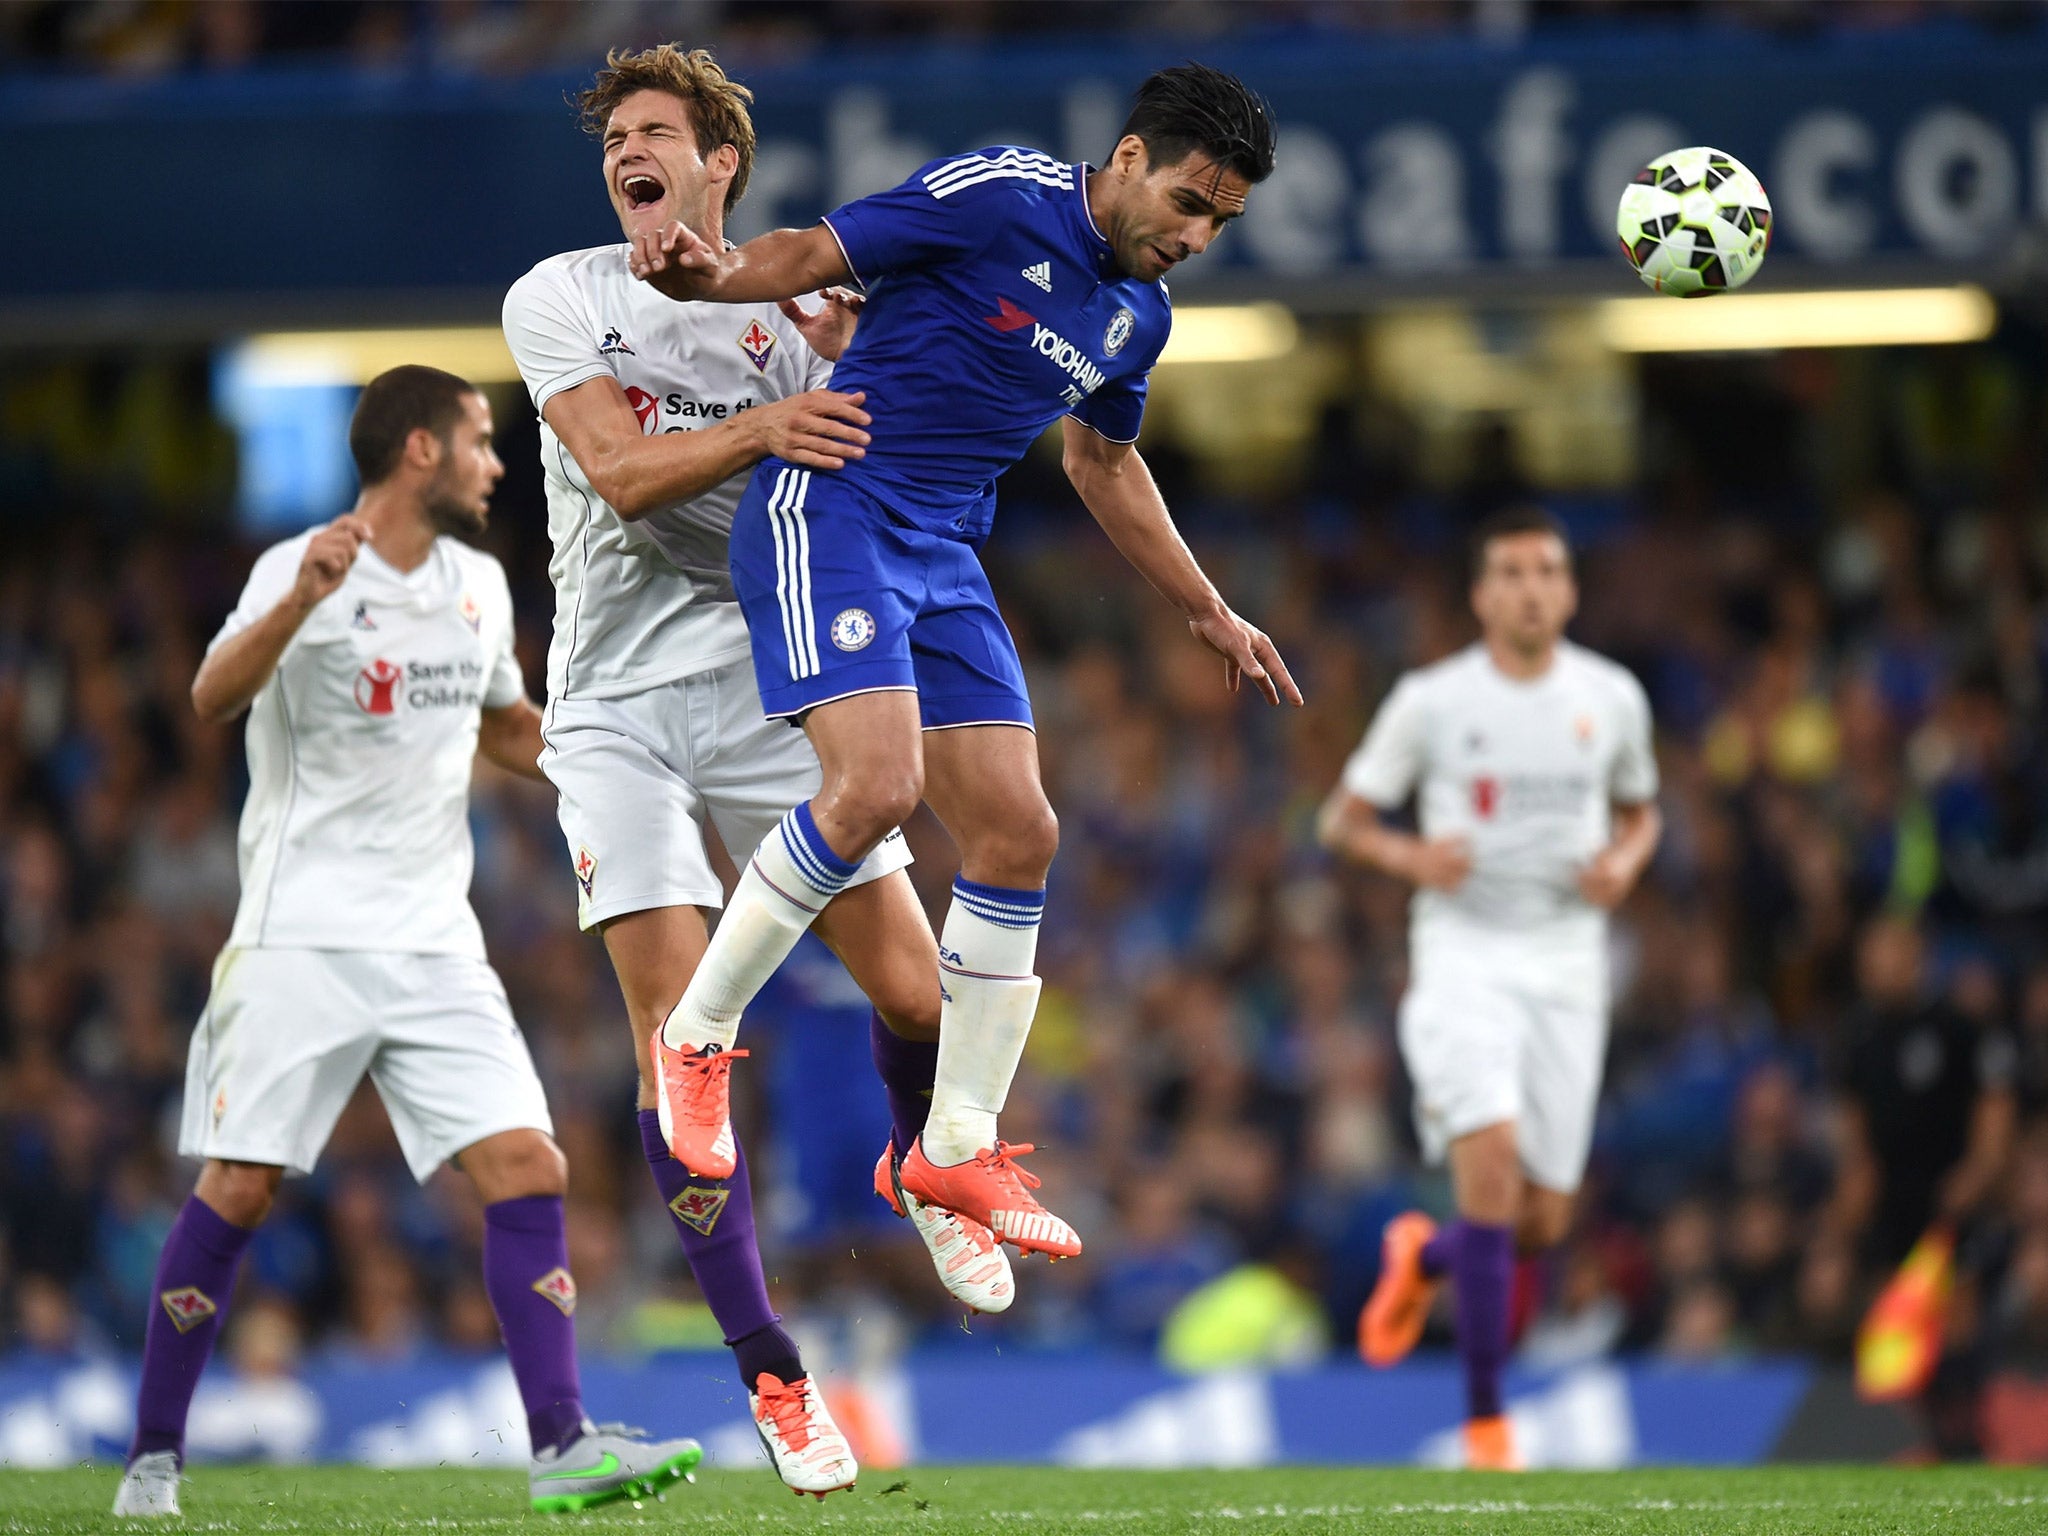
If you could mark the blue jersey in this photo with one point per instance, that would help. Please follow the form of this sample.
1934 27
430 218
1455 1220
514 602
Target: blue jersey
994 308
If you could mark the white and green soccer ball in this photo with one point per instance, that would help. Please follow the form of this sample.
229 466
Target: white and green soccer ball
1695 222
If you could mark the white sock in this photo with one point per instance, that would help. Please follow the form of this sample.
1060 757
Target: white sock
781 892
990 998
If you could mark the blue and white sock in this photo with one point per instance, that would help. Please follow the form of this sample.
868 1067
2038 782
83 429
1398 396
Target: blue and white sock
781 892
986 953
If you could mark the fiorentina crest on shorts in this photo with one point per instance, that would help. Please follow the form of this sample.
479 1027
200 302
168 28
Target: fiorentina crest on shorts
757 341
558 1287
700 1208
586 869
188 1306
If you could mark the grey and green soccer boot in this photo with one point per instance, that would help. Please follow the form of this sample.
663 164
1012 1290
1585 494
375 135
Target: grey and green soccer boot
607 1462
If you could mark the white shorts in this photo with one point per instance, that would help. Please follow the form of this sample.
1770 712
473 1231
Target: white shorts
638 775
1484 1044
288 1034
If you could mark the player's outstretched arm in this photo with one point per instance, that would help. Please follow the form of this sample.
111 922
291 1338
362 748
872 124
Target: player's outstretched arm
781 264
637 474
1120 494
510 737
235 671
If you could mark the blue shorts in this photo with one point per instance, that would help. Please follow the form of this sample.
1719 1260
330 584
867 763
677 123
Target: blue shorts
842 596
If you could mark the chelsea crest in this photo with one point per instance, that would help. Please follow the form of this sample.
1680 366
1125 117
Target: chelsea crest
1121 324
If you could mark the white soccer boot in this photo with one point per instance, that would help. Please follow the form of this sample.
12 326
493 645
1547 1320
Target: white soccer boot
805 1446
971 1263
149 1488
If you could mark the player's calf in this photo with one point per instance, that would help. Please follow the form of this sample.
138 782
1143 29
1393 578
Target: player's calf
240 1193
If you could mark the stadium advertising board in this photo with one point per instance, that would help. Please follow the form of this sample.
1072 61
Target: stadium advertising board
1102 1412
1440 163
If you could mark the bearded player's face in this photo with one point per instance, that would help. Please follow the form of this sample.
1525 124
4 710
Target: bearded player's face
653 169
1525 594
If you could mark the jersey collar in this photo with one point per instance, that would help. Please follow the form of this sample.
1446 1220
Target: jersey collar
1104 256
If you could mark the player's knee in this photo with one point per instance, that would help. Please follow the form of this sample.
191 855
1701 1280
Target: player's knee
1040 834
540 1168
1018 849
515 1165
874 805
239 1193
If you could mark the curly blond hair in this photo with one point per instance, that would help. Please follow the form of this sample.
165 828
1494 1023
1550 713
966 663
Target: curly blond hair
718 105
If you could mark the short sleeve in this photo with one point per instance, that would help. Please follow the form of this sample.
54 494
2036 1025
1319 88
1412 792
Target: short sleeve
269 580
550 335
1117 410
1633 779
1385 768
507 683
941 213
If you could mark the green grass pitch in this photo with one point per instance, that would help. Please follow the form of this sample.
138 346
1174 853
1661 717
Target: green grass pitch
1052 1502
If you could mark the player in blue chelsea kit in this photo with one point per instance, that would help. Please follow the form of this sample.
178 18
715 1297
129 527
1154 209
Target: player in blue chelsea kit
1006 289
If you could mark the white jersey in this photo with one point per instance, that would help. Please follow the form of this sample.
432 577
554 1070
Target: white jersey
1525 771
643 602
355 834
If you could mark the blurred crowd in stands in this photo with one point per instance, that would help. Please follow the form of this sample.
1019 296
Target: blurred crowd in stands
1831 1023
141 38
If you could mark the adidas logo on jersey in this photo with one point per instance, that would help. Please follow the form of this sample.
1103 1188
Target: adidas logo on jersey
1039 275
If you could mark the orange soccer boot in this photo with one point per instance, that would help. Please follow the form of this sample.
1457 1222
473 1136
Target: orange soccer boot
693 1100
994 1189
1490 1445
1398 1308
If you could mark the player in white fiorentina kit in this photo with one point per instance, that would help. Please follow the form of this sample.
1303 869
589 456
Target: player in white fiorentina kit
1535 778
652 413
375 658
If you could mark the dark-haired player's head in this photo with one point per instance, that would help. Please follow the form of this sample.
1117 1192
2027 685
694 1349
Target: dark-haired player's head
428 433
1197 141
1523 590
678 140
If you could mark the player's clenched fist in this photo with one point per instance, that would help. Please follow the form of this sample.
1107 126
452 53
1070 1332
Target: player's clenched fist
1439 863
675 260
329 554
819 429
1606 879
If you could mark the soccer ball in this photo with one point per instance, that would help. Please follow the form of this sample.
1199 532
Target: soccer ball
1694 222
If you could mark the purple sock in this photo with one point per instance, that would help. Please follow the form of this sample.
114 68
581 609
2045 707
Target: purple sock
715 1220
907 1069
195 1274
1483 1270
1438 1252
526 1272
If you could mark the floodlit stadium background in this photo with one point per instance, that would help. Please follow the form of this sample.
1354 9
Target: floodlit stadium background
1811 517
